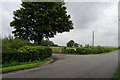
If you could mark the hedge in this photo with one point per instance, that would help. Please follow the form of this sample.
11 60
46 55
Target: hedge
87 50
93 50
26 54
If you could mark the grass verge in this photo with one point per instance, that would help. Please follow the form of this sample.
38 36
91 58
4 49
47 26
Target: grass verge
103 53
24 66
117 76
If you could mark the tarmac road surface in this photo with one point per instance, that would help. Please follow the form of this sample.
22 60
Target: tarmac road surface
73 66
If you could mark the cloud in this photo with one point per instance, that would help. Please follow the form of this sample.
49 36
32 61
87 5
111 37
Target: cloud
86 16
85 13
7 16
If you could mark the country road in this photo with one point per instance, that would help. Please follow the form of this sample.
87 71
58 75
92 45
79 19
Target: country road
73 66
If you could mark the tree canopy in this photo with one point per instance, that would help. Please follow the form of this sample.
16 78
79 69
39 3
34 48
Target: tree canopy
71 43
48 43
38 20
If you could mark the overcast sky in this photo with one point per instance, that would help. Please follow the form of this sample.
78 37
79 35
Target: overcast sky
102 17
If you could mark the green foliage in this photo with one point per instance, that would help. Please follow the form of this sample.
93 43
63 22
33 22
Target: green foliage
48 52
47 43
10 45
118 47
27 53
87 46
68 50
36 20
56 49
32 53
70 43
64 50
81 46
76 45
80 50
22 65
117 76
93 50
60 49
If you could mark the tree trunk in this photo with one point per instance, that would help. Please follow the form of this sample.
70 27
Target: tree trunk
39 39
39 42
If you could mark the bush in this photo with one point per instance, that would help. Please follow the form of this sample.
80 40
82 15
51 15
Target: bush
68 51
100 49
9 56
93 50
9 45
80 50
27 53
48 52
64 50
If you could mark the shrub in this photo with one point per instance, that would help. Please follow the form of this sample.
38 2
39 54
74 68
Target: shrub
9 45
100 49
27 53
93 50
80 50
68 51
48 52
31 53
9 56
64 50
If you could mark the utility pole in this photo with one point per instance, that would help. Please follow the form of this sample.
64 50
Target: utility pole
93 39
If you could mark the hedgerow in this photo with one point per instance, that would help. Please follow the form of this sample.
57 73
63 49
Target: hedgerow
87 50
26 54
93 50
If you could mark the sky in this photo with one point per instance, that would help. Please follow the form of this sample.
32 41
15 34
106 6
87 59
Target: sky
100 17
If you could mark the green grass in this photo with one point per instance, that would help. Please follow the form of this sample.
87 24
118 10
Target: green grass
117 77
59 49
24 66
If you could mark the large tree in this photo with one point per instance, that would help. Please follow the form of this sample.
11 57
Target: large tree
38 20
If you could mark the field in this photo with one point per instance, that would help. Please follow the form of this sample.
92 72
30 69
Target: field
59 49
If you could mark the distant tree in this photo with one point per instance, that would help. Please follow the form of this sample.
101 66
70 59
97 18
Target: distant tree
76 45
38 20
48 43
70 43
81 46
87 46
55 45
